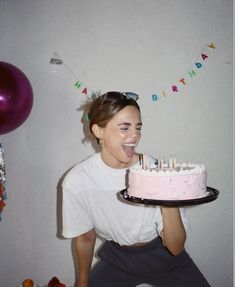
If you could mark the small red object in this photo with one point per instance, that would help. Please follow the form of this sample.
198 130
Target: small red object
1 189
2 205
53 282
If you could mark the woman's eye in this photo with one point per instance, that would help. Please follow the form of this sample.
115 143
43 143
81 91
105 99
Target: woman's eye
124 129
127 128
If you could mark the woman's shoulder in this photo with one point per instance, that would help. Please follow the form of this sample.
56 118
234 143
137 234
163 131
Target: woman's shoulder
80 171
87 162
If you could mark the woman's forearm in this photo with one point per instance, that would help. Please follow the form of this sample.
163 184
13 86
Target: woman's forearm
85 249
173 233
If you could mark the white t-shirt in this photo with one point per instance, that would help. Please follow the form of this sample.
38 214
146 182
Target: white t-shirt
91 200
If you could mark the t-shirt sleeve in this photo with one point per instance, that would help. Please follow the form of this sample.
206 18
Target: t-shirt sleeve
76 215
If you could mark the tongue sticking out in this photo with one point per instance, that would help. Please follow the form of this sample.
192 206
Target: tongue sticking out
129 150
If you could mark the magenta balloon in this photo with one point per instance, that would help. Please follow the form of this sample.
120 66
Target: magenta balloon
16 97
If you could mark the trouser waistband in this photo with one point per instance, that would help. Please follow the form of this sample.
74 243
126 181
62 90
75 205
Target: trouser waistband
144 246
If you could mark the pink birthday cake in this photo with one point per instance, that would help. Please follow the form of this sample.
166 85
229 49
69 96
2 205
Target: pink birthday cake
172 181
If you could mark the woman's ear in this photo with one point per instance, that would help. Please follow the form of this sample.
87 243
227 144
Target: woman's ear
97 131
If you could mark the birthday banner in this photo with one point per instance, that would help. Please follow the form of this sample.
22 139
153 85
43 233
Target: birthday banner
172 88
79 85
184 80
3 195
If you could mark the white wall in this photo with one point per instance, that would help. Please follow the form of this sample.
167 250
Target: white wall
133 45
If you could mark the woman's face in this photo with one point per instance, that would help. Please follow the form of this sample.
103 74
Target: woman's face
120 137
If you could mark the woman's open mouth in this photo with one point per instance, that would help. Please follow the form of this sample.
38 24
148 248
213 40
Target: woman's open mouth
129 148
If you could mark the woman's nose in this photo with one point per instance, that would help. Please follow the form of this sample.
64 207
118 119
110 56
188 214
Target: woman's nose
135 133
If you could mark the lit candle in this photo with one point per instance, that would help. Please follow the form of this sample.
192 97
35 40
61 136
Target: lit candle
144 162
157 163
171 163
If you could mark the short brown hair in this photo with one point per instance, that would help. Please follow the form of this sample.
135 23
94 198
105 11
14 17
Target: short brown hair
103 108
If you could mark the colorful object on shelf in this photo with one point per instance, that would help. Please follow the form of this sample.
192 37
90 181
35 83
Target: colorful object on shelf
28 283
16 97
55 282
3 195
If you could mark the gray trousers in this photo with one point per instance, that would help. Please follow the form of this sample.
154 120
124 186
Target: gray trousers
122 266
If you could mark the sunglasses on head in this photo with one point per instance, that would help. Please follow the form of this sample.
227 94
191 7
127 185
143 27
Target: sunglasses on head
119 95
116 96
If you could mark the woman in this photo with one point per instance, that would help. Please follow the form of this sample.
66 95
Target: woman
144 244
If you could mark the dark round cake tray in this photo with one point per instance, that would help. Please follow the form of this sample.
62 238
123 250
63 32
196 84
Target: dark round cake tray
213 194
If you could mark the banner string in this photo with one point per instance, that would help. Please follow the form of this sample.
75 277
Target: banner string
164 92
